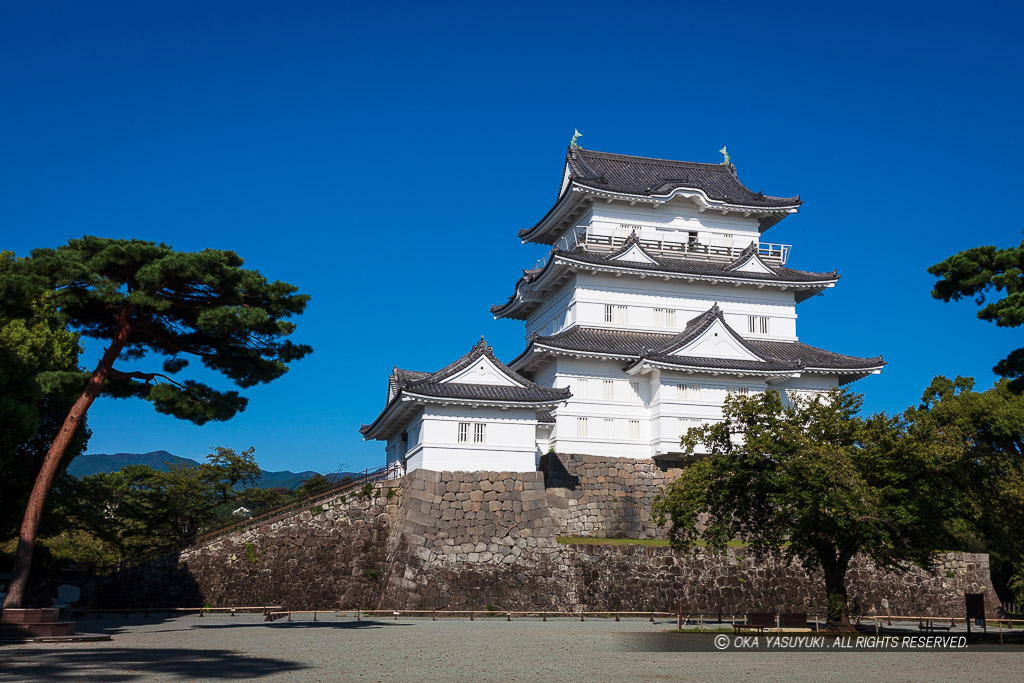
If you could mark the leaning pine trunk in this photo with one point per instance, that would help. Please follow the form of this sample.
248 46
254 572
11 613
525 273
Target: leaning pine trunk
51 463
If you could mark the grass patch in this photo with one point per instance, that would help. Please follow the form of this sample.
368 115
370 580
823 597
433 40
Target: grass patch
593 540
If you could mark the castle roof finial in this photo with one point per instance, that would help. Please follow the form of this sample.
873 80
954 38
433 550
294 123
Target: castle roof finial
575 136
725 153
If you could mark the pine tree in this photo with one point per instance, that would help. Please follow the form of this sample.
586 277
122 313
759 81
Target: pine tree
148 301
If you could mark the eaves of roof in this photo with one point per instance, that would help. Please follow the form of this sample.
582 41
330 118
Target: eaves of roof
805 283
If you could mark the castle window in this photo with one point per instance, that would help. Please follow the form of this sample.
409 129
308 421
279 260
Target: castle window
689 392
635 386
687 423
609 390
634 430
615 314
665 317
757 324
479 432
581 426
609 428
463 432
581 388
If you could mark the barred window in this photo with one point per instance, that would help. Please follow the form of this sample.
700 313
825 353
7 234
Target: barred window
634 430
581 426
615 314
609 390
479 432
757 324
664 317
463 432
689 392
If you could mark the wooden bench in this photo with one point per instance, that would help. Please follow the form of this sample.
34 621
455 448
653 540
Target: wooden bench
757 620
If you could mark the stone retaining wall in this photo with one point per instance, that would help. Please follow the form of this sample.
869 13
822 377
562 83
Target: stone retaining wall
466 540
469 539
600 496
330 555
635 577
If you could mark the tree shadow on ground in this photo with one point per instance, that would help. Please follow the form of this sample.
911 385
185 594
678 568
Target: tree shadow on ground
129 664
113 624
365 623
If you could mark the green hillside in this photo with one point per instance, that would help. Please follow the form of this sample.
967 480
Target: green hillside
96 463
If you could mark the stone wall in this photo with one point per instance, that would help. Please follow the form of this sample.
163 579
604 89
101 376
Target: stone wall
635 577
469 539
329 555
466 540
608 497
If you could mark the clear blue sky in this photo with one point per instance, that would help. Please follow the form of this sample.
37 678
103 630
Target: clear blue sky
382 156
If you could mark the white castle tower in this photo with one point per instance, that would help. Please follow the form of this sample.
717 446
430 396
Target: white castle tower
657 299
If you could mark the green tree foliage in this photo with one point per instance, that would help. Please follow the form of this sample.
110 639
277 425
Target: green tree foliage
139 510
39 381
814 483
314 484
147 300
991 513
977 272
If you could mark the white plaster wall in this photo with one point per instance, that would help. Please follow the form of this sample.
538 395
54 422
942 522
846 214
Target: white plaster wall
397 449
608 421
510 440
557 312
806 386
674 221
689 300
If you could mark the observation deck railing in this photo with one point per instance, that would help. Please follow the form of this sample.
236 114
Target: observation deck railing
713 249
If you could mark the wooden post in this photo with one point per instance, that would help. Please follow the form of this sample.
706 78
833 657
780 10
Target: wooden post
679 619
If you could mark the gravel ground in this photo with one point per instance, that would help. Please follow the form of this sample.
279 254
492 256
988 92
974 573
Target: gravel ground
341 648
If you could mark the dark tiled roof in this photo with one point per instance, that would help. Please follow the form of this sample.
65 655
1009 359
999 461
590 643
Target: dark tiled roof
695 267
697 326
633 346
647 176
678 266
813 357
432 385
612 342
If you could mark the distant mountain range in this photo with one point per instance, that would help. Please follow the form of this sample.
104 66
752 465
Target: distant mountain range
95 463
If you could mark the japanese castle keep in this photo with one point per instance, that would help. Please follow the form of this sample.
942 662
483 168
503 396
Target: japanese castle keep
658 298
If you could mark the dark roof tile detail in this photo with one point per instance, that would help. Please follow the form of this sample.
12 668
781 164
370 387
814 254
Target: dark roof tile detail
432 385
695 267
674 266
633 346
658 177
